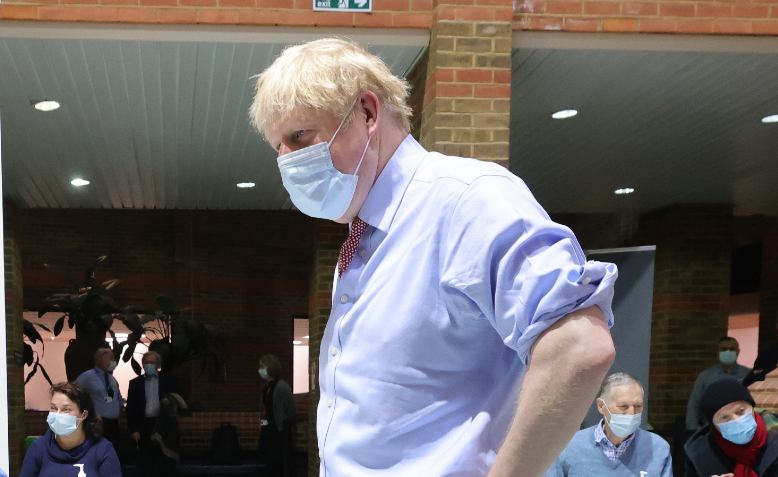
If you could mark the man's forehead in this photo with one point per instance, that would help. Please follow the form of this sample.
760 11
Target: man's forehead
304 118
631 391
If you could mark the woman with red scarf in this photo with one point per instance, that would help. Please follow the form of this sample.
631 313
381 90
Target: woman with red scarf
737 442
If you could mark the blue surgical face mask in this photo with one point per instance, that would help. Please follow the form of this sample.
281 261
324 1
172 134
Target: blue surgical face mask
739 431
62 424
315 186
623 425
727 358
150 369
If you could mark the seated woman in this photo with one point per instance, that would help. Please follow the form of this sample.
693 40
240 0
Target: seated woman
737 443
73 446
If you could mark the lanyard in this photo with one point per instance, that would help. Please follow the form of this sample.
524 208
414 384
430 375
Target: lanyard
108 388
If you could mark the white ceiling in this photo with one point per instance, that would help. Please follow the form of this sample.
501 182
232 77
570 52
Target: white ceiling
677 120
155 119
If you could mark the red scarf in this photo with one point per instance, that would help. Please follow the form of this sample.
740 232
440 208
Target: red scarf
746 455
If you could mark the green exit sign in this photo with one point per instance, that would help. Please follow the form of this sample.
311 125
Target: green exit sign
343 5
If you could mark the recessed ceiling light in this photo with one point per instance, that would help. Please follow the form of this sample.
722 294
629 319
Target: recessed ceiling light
245 185
773 118
565 114
296 342
78 182
624 191
46 105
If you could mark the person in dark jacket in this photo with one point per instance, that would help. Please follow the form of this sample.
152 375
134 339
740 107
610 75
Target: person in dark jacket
73 446
144 404
737 443
277 418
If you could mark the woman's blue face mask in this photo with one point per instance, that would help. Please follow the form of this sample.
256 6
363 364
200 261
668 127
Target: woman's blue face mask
315 186
739 431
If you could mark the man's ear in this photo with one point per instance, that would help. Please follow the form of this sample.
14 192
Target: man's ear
371 107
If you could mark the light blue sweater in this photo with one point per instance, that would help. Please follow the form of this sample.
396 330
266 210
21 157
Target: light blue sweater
648 456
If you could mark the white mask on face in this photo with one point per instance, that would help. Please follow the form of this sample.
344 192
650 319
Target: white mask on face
62 424
623 425
315 186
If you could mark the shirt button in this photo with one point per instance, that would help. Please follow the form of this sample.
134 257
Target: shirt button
362 252
344 298
334 351
329 402
319 454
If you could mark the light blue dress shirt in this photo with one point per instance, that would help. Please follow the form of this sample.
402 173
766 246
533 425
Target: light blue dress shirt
432 324
94 383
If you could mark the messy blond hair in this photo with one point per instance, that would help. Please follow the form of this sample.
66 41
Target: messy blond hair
326 75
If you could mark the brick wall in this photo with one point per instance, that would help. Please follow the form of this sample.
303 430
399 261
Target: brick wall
691 301
593 231
741 17
197 428
466 109
246 272
14 346
386 13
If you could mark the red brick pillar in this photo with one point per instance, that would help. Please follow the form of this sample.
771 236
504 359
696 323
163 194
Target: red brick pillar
691 301
328 237
466 109
14 306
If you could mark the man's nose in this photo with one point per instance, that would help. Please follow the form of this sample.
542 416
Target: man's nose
283 149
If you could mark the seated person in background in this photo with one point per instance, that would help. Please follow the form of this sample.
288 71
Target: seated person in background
104 391
616 446
737 443
73 445
729 349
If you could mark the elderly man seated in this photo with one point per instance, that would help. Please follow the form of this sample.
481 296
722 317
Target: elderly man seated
616 446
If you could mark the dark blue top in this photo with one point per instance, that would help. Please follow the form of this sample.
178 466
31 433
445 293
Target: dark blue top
93 458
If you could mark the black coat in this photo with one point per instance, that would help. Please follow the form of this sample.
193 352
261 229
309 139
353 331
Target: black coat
704 458
136 400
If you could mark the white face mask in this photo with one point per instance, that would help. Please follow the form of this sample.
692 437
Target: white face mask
623 425
62 424
263 373
315 186
111 366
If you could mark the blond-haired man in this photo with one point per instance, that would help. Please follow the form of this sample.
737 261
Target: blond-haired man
468 333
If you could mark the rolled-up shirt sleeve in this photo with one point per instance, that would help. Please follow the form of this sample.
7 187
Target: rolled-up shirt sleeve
520 270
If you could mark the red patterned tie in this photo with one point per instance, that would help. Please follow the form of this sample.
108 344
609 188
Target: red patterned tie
358 226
